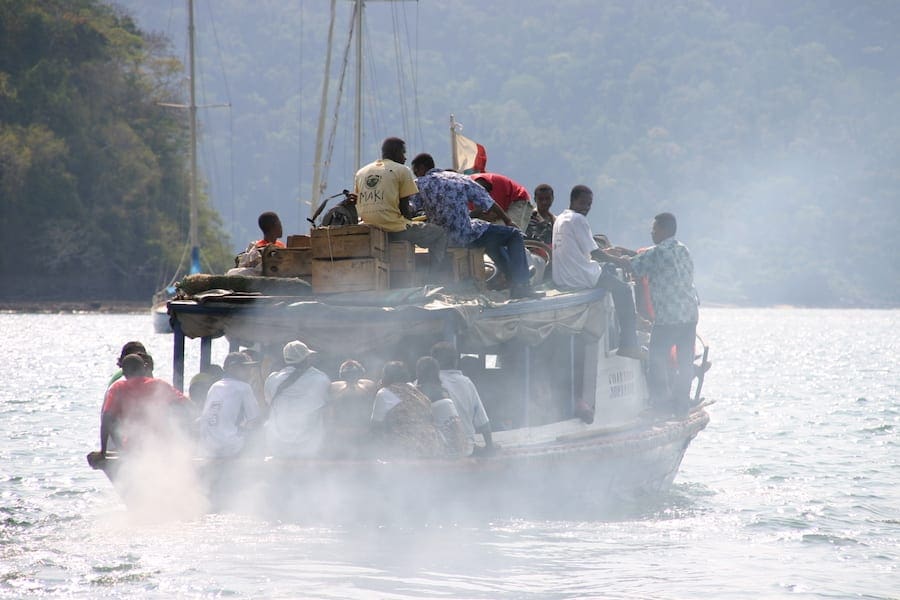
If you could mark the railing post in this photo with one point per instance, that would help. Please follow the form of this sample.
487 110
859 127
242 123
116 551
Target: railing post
177 355
572 400
205 352
527 392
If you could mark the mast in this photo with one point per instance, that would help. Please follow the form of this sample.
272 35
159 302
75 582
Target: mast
357 140
453 155
192 197
320 128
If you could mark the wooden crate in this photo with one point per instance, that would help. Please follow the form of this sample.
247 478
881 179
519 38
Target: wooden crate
350 241
407 279
421 259
349 275
298 241
467 264
402 257
286 262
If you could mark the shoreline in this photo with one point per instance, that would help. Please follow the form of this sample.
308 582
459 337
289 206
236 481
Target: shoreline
74 306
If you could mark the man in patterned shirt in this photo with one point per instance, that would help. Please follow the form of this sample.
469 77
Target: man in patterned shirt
382 190
670 270
445 198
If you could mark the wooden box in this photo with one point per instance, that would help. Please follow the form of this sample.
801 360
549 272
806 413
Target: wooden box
350 241
407 279
286 262
467 264
298 241
402 257
349 275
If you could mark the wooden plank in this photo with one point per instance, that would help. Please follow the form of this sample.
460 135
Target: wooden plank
286 262
352 241
402 257
298 241
349 275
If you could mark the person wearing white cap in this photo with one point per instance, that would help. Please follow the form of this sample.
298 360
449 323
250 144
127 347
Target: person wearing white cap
230 410
296 395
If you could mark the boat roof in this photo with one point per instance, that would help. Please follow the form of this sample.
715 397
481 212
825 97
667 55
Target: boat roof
359 318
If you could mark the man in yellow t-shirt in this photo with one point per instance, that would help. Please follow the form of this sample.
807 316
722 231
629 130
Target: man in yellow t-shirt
383 190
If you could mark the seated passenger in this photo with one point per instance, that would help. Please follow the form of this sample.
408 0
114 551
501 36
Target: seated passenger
540 227
348 412
573 249
297 395
465 396
270 225
443 411
139 410
401 417
383 190
445 197
249 262
230 411
200 384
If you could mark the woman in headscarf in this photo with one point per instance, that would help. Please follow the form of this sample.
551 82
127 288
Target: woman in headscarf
401 417
444 413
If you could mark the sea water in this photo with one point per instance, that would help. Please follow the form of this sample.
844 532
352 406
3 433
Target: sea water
793 490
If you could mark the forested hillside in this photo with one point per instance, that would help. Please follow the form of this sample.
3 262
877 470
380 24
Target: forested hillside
93 172
769 128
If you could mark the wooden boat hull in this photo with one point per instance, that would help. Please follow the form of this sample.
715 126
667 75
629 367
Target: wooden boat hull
599 468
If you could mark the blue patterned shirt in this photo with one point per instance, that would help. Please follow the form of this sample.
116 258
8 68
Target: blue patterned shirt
670 269
445 198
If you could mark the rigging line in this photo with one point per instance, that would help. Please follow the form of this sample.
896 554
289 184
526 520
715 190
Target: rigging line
318 164
215 30
404 113
337 104
299 202
414 68
378 122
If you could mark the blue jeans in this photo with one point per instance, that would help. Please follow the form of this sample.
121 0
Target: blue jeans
506 247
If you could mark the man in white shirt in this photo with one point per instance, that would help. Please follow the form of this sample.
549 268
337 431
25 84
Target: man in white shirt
573 267
230 410
465 396
297 395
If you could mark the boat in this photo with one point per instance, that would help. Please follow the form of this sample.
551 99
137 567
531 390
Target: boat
537 363
533 361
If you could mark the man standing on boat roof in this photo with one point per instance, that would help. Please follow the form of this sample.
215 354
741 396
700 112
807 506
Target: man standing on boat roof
573 267
445 197
670 270
383 189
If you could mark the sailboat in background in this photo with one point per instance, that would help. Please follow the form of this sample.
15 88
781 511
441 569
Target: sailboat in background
159 310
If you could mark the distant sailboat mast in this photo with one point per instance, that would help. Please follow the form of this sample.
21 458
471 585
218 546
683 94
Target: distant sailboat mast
192 199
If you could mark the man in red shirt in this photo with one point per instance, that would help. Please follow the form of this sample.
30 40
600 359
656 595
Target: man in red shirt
509 195
138 407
